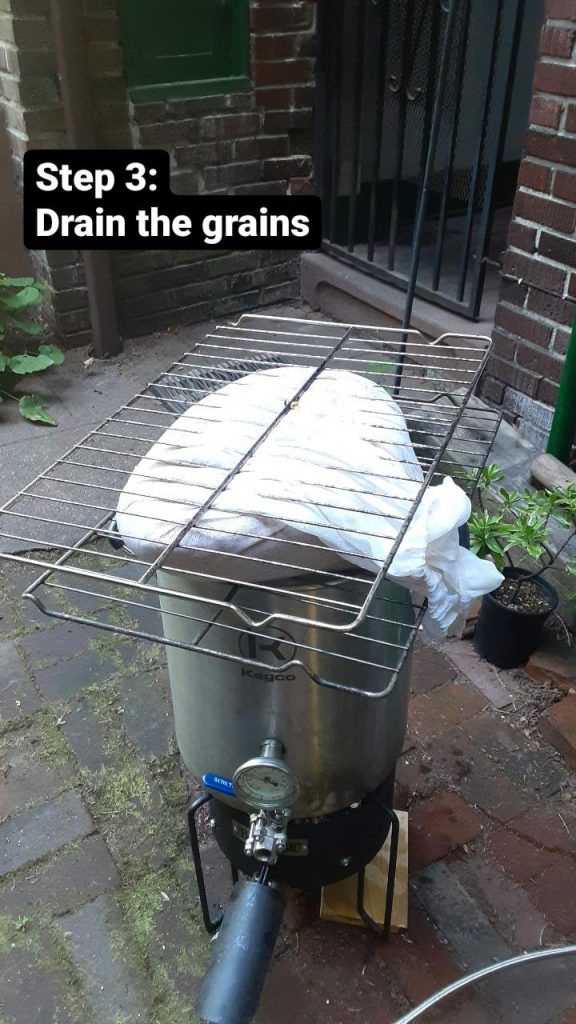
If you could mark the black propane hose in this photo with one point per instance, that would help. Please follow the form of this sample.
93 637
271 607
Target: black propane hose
231 989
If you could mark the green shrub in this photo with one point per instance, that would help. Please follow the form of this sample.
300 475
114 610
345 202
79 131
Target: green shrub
19 299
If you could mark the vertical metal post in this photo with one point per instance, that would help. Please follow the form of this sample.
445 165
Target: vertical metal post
72 58
379 126
403 99
503 115
473 191
356 166
334 126
426 178
459 73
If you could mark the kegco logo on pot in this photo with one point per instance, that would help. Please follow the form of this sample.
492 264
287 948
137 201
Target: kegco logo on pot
277 648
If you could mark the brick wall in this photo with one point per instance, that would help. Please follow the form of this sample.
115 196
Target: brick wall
253 142
536 309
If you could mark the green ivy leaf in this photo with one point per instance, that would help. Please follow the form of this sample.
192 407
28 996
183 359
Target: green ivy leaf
28 296
33 409
27 326
16 282
3 362
29 364
52 352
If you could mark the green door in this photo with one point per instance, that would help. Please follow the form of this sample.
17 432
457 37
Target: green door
181 48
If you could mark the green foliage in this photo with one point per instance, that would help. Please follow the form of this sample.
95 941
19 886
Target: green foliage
19 298
18 295
489 536
520 525
490 475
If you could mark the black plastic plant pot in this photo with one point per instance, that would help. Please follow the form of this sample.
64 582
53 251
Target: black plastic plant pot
506 637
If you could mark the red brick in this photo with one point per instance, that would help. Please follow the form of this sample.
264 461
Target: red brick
567 1018
229 126
520 236
571 118
508 906
435 712
555 78
546 212
300 187
493 390
281 47
504 346
558 726
513 292
528 767
545 112
419 962
561 10
521 859
280 168
514 376
552 827
558 149
274 99
565 186
561 341
534 270
523 326
553 893
430 668
282 72
261 148
556 41
281 17
559 248
487 788
286 120
572 286
304 95
535 176
438 826
548 392
552 307
537 361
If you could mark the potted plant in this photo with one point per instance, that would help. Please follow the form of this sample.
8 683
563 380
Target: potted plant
512 617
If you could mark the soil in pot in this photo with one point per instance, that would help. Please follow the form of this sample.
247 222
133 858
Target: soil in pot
525 598
512 618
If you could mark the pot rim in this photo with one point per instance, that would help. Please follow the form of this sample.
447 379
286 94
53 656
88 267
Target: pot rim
544 585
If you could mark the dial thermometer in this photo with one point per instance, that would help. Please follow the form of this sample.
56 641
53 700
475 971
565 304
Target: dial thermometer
267 782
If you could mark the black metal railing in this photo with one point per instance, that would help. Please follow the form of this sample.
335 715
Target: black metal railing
378 69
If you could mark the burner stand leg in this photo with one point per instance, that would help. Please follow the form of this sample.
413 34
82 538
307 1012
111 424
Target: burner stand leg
211 924
382 930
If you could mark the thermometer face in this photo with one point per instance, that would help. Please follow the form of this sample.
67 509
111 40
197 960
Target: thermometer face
265 783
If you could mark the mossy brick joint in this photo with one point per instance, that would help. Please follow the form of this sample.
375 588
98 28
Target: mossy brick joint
538 296
256 139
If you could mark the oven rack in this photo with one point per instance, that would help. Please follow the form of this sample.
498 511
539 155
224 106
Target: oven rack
62 523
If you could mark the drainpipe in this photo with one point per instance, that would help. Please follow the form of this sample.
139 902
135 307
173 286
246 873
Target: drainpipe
564 423
72 59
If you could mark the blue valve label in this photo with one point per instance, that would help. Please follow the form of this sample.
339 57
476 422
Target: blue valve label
218 783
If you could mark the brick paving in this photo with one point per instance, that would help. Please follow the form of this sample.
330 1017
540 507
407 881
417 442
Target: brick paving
99 918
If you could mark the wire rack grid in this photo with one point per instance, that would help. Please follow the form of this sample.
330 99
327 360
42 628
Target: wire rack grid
63 522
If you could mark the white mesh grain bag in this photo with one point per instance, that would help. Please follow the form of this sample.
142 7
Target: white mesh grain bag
337 475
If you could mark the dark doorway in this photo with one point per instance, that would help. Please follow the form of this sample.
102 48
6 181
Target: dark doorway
378 67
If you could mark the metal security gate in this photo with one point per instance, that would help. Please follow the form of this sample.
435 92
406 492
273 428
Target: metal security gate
379 63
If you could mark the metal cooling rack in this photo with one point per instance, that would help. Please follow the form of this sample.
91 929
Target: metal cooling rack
63 522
